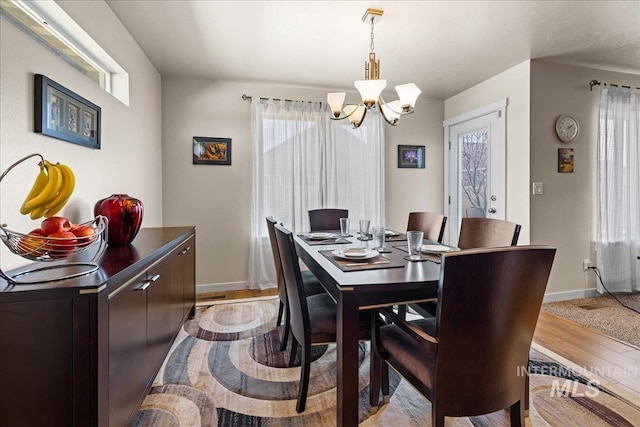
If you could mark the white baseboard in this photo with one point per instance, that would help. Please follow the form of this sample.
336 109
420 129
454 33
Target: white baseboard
567 295
221 287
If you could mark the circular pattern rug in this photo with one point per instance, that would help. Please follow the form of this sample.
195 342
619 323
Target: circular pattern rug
226 369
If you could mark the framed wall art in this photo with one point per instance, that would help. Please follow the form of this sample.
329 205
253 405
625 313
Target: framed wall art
63 114
411 156
211 151
565 160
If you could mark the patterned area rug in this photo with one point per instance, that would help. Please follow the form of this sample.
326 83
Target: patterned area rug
226 369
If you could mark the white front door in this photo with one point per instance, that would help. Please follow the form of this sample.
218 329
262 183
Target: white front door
475 166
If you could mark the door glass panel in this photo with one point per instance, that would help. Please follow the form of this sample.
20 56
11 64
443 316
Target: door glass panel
473 179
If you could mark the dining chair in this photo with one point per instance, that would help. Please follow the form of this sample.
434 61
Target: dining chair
477 233
310 283
487 233
326 219
431 224
471 359
313 318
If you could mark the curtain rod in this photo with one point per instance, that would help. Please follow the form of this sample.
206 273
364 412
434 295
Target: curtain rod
246 97
595 82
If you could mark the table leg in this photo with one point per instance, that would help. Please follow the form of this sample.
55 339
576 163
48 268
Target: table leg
347 343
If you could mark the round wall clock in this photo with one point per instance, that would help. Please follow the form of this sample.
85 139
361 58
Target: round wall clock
567 128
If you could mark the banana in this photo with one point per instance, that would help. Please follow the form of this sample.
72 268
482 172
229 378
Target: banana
68 184
38 185
37 212
49 191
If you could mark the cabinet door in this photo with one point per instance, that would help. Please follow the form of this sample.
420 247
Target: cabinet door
159 330
127 351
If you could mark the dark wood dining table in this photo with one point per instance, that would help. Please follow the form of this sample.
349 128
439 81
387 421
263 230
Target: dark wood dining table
359 290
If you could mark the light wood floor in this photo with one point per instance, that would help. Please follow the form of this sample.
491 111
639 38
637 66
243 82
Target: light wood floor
614 364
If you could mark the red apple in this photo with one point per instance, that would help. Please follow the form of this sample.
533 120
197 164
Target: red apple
55 224
33 244
61 244
85 234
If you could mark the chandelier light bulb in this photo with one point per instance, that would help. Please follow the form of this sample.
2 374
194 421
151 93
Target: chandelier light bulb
408 94
370 90
355 113
335 101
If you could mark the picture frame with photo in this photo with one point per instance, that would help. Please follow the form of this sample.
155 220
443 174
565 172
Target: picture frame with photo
211 151
565 160
411 156
63 114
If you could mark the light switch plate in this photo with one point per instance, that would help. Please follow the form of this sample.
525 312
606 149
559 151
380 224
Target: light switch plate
538 188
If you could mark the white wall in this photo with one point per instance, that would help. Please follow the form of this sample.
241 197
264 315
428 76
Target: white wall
564 216
512 84
217 199
130 158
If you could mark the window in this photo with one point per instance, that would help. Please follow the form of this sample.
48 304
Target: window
49 25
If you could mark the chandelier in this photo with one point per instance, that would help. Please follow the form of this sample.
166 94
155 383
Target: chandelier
371 88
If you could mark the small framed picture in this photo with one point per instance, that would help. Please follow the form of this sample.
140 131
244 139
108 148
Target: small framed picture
63 114
211 151
565 160
411 156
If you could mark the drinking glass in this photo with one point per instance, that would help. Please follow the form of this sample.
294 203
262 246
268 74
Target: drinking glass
344 227
378 237
364 229
414 242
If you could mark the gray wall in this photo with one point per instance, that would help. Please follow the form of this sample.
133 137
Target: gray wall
130 158
217 199
565 215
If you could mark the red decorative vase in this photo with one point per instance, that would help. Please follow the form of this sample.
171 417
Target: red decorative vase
125 217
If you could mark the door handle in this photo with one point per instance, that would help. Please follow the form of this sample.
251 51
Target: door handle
147 282
184 251
492 210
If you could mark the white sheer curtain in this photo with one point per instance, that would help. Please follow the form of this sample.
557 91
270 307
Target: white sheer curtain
302 161
354 177
618 244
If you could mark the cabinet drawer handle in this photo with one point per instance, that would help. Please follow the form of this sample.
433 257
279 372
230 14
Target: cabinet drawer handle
148 282
184 251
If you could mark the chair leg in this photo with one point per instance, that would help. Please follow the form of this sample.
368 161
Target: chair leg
516 412
280 312
375 372
385 382
294 350
437 419
287 328
526 394
305 370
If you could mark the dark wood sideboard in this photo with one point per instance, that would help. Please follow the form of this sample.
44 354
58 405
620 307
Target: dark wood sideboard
85 351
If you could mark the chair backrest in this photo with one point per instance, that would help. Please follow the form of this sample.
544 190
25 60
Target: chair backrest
300 323
326 219
489 301
431 224
282 290
487 233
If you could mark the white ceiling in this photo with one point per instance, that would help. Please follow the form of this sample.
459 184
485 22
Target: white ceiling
442 46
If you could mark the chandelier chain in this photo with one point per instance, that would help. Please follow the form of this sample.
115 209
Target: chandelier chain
371 45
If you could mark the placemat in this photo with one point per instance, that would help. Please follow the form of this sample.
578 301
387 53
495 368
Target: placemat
312 242
346 265
425 257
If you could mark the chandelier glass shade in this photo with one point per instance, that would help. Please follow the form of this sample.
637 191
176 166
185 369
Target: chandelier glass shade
370 90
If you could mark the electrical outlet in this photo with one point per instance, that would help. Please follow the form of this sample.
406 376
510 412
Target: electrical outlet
586 264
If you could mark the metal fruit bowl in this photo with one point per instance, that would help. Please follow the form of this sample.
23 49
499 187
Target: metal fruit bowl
41 248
